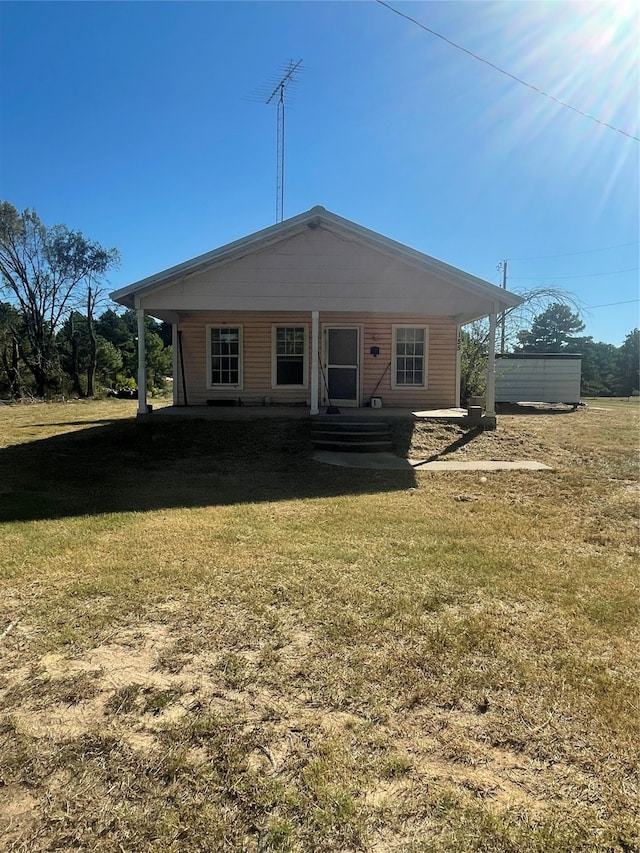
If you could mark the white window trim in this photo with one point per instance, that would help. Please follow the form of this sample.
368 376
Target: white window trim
224 386
394 357
274 360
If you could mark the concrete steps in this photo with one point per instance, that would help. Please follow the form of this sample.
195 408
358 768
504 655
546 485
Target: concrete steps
350 435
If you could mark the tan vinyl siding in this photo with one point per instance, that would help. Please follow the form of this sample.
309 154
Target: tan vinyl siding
375 330
441 360
256 357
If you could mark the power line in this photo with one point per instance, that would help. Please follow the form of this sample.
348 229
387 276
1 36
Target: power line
583 252
558 277
610 304
507 73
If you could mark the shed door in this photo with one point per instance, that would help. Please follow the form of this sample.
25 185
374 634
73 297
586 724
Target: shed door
342 365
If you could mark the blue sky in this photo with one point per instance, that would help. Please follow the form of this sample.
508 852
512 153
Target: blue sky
130 122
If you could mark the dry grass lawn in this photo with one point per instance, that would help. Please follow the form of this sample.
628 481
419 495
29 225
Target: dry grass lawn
209 642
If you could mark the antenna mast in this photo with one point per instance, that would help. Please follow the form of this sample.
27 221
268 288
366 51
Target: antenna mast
277 96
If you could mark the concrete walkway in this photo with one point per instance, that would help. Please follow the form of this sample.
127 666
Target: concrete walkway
391 462
489 465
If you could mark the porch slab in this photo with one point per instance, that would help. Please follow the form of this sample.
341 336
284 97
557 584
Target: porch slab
241 413
246 413
455 414
225 413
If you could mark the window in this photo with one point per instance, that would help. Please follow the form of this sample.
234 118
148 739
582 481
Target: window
225 356
409 357
289 356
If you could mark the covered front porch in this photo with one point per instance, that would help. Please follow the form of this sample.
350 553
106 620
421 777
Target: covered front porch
440 376
155 414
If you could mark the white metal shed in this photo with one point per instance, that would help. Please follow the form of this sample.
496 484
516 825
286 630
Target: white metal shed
538 377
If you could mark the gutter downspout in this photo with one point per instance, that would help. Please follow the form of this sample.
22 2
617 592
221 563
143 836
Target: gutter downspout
315 358
142 364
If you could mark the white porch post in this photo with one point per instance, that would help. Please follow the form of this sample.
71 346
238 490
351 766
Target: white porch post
458 364
490 401
142 364
315 356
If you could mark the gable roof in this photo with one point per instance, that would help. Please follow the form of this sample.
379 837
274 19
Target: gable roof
317 217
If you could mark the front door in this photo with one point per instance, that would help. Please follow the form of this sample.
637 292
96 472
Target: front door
342 365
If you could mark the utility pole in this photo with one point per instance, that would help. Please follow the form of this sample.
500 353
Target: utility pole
503 266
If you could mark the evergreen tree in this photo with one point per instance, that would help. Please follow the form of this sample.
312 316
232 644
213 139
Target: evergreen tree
629 364
551 331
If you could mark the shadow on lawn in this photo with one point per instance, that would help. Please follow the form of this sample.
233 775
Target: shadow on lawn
464 439
124 466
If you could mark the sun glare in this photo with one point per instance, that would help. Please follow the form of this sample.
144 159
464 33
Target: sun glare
611 24
579 111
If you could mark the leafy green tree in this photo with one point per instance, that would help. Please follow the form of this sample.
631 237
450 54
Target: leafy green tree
114 328
159 360
72 348
42 271
83 364
551 331
122 331
474 348
599 376
166 333
109 363
629 364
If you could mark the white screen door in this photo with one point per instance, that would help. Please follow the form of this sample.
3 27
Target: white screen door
342 365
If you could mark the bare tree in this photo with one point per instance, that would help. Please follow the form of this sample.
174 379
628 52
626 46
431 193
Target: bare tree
475 336
42 271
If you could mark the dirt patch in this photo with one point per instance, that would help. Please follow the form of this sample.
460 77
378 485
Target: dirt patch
54 696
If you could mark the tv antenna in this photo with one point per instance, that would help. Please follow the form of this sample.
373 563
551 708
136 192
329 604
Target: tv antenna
276 92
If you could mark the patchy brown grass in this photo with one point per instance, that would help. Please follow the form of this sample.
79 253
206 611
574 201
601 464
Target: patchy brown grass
216 644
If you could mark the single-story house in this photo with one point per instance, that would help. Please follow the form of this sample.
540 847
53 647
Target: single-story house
318 311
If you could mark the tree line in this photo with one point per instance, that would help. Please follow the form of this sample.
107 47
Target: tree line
52 339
